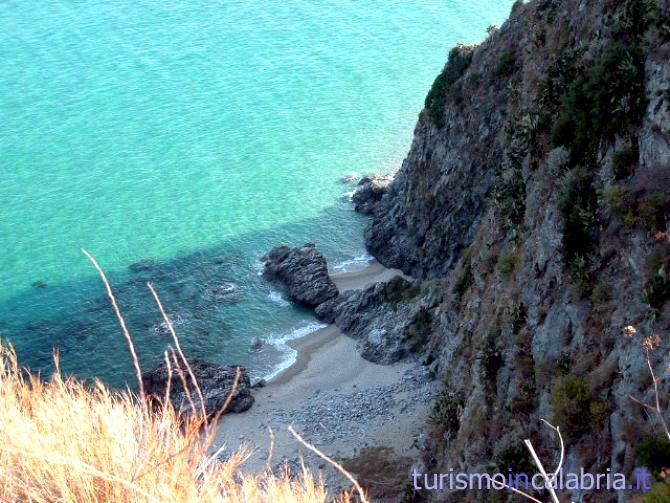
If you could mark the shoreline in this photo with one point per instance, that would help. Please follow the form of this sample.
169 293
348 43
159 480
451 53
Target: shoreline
336 400
361 277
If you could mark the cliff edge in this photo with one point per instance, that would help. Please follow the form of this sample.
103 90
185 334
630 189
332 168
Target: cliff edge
533 210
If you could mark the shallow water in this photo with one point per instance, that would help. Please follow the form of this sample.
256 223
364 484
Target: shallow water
197 134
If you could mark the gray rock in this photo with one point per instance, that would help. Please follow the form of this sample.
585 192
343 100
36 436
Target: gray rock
303 270
370 191
142 265
215 382
382 318
261 383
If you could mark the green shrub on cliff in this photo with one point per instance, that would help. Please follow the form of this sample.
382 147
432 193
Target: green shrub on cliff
510 197
594 103
622 202
600 102
460 58
660 493
623 162
491 357
657 291
575 408
465 277
398 290
508 262
577 204
653 454
506 66
447 412
645 209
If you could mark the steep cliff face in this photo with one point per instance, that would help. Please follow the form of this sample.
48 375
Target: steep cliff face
533 207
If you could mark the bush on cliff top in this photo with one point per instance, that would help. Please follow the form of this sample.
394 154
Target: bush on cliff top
459 60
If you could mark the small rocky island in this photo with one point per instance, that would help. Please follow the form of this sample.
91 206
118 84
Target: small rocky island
303 271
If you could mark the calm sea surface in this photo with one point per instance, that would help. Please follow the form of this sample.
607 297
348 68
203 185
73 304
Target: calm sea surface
194 135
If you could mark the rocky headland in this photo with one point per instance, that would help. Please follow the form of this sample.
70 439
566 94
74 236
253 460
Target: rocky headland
533 209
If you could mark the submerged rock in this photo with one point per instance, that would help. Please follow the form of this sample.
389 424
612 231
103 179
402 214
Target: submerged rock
142 265
227 292
352 178
215 382
370 191
257 344
303 270
163 329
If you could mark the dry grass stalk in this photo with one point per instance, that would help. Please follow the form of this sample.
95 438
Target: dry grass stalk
175 339
121 319
332 462
66 441
648 344
540 466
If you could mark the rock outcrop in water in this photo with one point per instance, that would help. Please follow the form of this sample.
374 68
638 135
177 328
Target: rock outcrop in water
303 271
369 192
216 384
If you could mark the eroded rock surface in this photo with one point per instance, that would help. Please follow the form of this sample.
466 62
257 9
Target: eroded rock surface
216 384
370 191
304 272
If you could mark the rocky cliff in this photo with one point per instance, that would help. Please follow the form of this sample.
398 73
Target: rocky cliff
533 210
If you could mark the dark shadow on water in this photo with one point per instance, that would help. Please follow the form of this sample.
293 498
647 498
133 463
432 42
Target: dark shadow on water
214 297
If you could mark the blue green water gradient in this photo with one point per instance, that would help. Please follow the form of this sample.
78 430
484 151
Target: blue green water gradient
199 134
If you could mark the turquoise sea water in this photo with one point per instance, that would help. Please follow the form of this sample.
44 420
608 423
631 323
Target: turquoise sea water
197 134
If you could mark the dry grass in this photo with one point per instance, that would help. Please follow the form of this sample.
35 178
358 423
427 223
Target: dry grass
67 441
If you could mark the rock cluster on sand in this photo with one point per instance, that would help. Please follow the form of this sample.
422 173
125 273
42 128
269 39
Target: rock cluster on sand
383 318
215 382
370 190
303 270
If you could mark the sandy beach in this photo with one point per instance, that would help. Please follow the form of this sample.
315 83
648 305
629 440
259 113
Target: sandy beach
343 404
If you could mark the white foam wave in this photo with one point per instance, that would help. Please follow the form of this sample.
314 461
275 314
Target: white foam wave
278 298
280 342
353 264
258 267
